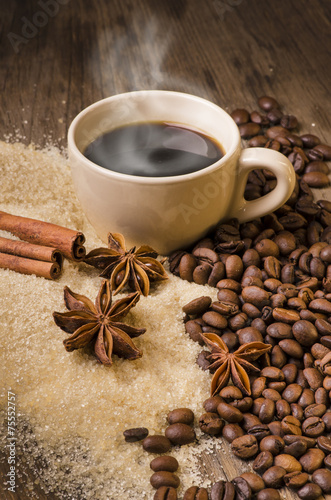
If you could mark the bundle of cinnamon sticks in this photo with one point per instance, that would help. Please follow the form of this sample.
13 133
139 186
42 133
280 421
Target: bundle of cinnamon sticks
43 247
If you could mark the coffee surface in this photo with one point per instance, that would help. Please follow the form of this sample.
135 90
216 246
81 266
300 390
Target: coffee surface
154 149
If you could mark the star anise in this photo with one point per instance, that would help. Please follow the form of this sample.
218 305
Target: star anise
232 364
136 268
99 324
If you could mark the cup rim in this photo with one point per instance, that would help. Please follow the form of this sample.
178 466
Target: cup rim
73 149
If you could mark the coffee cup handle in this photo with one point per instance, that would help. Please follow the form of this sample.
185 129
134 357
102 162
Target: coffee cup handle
260 158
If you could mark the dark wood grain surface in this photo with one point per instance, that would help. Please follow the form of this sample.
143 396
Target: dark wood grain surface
57 57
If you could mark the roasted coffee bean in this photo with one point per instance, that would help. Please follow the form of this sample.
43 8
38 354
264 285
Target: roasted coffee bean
165 462
285 315
321 397
313 427
292 393
225 295
230 393
136 434
186 267
296 480
290 372
292 348
305 333
310 140
217 273
195 493
288 462
165 493
164 478
325 150
263 462
234 267
322 477
231 432
255 482
307 398
327 461
215 319
313 377
324 443
229 413
279 330
274 115
241 116
222 490
257 117
316 179
194 330
273 444
242 488
249 420
272 373
312 460
278 357
181 415
310 491
229 284
180 434
244 404
259 431
156 444
282 409
210 404
201 273
266 103
289 121
197 306
267 411
245 447
249 129
291 425
327 421
258 387
274 477
297 411
296 449
268 494
291 438
258 141
202 360
211 423
315 410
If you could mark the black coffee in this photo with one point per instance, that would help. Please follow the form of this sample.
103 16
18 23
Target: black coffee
154 149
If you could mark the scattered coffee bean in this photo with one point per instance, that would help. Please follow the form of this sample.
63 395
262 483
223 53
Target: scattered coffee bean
136 434
195 493
165 493
164 478
181 415
180 434
156 444
165 462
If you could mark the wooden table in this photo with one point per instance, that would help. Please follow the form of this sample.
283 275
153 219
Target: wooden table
57 57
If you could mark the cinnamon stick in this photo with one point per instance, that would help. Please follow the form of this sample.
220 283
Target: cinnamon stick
30 251
69 242
49 270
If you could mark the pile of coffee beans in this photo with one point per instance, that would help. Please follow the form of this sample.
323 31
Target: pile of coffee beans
179 432
273 277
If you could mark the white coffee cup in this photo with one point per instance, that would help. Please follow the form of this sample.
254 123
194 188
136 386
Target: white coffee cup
170 212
